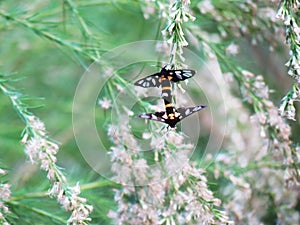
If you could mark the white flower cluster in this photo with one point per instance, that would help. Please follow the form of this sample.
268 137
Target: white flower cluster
171 191
41 150
287 13
287 108
4 196
178 14
271 123
105 103
69 198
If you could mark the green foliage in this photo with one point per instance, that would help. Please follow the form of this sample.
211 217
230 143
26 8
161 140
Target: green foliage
48 45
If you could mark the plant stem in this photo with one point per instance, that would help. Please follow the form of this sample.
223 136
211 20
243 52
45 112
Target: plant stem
88 186
38 211
71 45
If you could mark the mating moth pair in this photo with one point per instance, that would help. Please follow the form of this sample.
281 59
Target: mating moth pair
163 79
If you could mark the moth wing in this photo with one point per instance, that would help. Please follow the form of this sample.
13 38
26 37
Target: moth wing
185 112
180 75
157 116
149 81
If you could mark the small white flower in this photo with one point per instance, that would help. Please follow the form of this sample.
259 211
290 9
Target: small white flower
146 135
232 49
105 103
56 189
51 174
32 148
5 192
148 10
37 124
24 138
120 88
2 172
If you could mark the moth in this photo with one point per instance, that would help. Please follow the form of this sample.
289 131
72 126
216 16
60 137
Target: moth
164 78
155 80
172 115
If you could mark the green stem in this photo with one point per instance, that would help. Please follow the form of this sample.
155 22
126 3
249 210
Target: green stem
98 184
30 196
84 187
84 26
71 45
253 166
38 211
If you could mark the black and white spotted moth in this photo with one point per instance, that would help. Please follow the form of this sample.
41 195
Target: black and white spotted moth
155 80
172 115
163 79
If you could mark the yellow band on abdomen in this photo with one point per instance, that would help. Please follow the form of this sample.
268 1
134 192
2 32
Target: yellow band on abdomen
166 88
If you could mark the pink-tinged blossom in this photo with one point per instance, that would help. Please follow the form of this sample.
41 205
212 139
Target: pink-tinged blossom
120 88
273 127
41 150
232 49
148 9
5 194
37 125
70 200
105 103
263 164
182 197
2 172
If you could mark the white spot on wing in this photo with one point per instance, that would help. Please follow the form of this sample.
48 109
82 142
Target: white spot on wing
153 117
154 82
144 116
197 108
187 112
